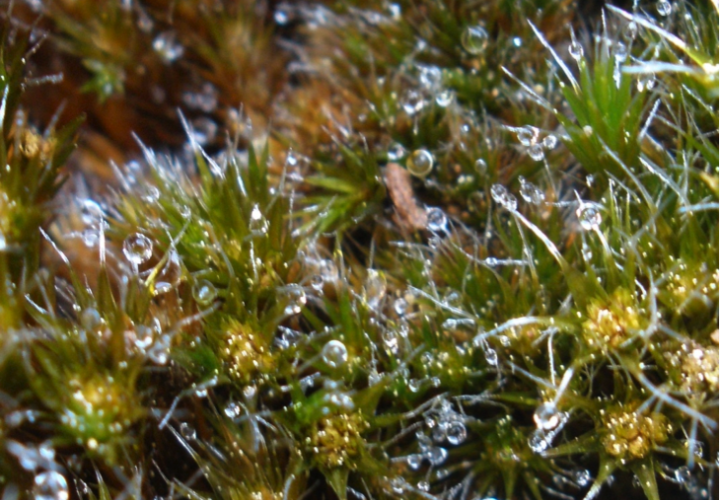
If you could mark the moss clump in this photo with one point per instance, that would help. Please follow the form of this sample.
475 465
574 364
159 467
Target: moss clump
423 249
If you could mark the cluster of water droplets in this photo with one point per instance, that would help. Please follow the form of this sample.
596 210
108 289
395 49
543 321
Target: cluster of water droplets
205 99
531 138
49 483
446 425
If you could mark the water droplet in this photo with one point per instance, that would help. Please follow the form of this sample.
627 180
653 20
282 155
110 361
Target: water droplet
375 288
204 130
50 485
444 98
437 455
436 220
474 39
413 102
400 307
536 152
396 151
587 252
491 357
258 223
137 248
187 431
538 441
430 77
456 432
334 354
166 47
527 136
621 52
282 14
503 197
530 192
297 297
582 477
589 217
550 142
232 410
547 416
420 163
204 292
683 475
414 461
90 318
664 7
576 50
481 166
631 31
423 486
414 384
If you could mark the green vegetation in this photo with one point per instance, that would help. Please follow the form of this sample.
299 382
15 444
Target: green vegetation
452 250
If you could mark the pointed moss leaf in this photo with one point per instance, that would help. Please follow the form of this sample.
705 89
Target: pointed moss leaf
645 472
337 478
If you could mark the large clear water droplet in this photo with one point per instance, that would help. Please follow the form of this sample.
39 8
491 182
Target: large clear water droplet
503 197
420 163
50 485
334 354
204 292
536 152
137 248
475 39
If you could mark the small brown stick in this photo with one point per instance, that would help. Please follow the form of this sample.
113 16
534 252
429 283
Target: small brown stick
399 186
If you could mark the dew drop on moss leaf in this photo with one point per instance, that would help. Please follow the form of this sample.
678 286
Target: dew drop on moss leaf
334 354
137 248
420 163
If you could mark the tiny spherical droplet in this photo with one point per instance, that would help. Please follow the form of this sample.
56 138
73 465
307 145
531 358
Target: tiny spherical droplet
437 455
187 431
166 47
621 52
576 50
503 197
414 461
582 478
550 142
436 220
589 217
474 39
137 248
90 318
400 306
536 152
481 166
396 151
420 163
334 354
491 357
204 292
530 192
456 433
413 102
444 98
664 7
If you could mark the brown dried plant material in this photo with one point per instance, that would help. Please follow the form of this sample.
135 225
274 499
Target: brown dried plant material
399 186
